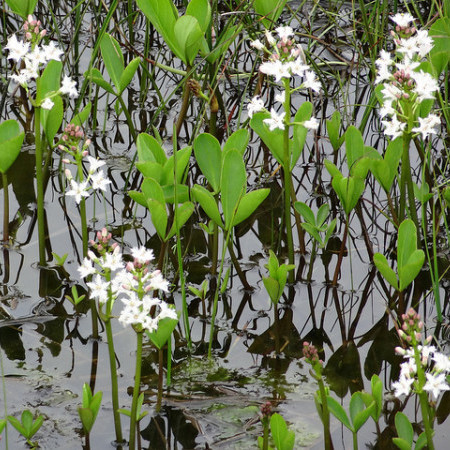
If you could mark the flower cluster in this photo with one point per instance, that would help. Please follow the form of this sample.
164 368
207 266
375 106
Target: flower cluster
133 282
404 86
285 60
35 57
420 359
73 145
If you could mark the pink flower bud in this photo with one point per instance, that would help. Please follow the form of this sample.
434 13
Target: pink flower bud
30 18
129 266
88 142
43 33
418 336
28 35
400 351
66 161
428 339
85 153
68 174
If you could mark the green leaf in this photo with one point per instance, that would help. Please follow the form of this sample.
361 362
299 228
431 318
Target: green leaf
182 214
163 15
273 288
52 119
183 157
149 149
338 411
422 441
82 116
128 74
150 169
249 203
159 216
382 265
11 140
189 36
401 444
201 10
182 193
95 76
385 170
333 129
440 53
49 81
165 328
208 203
273 139
22 7
209 158
269 10
404 428
377 394
300 132
237 141
354 146
87 418
306 212
234 181
349 190
278 429
113 59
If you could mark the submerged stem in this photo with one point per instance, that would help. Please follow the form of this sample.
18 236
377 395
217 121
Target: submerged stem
137 384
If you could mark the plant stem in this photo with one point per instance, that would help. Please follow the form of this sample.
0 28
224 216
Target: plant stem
84 231
216 293
114 385
39 185
185 102
355 440
287 178
5 208
137 384
160 380
325 414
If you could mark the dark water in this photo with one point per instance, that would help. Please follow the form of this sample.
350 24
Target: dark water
46 347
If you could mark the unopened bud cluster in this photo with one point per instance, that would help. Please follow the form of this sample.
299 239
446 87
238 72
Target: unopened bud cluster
33 31
424 368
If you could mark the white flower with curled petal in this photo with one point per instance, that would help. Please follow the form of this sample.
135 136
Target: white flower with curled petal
255 105
436 384
284 33
86 268
257 44
94 164
311 81
311 124
99 181
47 104
79 190
426 125
142 255
16 49
402 20
275 121
68 86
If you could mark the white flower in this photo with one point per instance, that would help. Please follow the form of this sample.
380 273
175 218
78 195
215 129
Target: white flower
383 74
385 59
99 181
441 362
68 86
99 289
276 69
21 78
157 282
284 32
17 49
387 109
311 124
142 255
402 386
276 120
298 67
408 368
393 128
167 311
257 44
52 52
47 104
311 81
94 164
113 261
78 190
281 97
86 268
391 92
255 105
270 39
402 20
436 384
426 125
37 57
408 47
426 85
424 43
